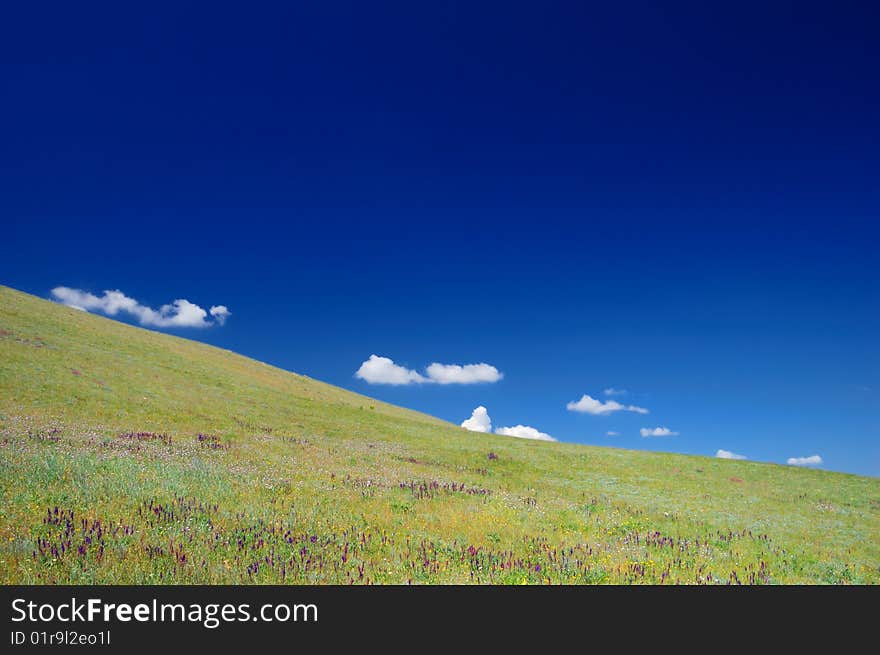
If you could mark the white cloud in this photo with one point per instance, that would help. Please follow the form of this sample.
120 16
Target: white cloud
657 432
612 433
812 460
479 421
726 454
467 374
180 313
589 405
524 432
611 391
382 370
220 313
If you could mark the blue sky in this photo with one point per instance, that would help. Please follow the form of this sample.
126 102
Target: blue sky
681 203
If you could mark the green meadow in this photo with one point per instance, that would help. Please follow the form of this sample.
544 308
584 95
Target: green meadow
133 457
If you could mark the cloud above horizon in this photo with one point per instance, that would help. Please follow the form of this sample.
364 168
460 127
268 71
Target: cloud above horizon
657 432
812 460
467 374
611 391
383 370
726 454
179 313
524 432
479 421
589 405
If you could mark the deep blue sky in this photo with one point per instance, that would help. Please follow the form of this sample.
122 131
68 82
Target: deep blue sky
681 202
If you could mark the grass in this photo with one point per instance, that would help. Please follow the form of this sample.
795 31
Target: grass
129 456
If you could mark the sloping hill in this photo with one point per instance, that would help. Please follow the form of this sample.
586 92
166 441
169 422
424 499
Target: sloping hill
130 456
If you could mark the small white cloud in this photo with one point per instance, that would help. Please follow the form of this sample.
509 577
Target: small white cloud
657 432
612 433
479 421
812 460
726 454
180 313
220 313
611 391
589 405
524 432
382 370
467 374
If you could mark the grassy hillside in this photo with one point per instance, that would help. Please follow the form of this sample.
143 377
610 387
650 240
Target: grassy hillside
129 456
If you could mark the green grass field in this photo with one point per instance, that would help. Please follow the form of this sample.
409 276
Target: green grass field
129 456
